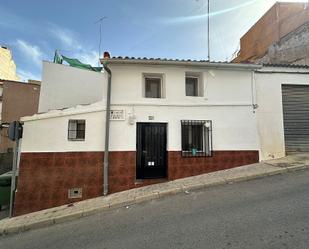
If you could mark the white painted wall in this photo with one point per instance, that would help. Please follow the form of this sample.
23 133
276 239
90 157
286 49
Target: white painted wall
234 128
227 101
51 135
270 112
64 86
223 87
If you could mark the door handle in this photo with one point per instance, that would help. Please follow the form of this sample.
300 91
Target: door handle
144 152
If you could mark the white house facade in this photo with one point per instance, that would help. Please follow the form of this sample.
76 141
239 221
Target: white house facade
169 119
283 110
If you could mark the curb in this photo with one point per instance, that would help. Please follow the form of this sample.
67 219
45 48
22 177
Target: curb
71 215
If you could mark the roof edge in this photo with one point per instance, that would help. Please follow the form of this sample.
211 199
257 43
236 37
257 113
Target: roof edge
146 61
285 65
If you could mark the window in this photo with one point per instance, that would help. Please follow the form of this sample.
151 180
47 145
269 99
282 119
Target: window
153 87
196 138
191 86
76 130
194 84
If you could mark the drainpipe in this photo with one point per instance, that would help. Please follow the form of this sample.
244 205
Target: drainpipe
253 91
107 124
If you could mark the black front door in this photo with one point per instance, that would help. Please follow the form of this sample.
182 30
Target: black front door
151 150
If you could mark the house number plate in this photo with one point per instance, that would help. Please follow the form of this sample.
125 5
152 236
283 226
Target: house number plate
117 115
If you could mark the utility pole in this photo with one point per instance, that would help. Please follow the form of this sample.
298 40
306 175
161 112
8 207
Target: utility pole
208 28
15 134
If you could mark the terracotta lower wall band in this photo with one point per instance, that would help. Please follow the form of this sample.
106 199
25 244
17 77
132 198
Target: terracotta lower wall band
45 178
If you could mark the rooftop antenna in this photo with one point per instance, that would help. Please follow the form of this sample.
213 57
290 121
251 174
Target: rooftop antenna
208 28
100 20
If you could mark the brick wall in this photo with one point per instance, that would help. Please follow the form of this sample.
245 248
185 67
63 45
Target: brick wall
44 178
275 24
18 100
6 162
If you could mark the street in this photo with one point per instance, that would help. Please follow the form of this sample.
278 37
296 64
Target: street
271 212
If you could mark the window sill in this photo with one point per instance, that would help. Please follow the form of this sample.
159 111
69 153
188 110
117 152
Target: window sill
198 154
201 97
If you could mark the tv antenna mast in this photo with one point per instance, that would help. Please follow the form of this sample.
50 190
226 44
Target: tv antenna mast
100 21
208 29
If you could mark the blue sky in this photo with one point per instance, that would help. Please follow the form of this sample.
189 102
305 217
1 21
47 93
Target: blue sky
34 29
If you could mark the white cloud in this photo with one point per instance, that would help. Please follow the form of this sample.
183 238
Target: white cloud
202 17
30 52
67 37
26 75
71 46
88 57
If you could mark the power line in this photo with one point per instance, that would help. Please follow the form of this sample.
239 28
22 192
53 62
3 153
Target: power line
154 34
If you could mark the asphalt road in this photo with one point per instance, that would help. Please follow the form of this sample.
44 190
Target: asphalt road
272 212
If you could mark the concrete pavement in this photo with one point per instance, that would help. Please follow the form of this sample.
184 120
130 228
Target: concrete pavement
127 198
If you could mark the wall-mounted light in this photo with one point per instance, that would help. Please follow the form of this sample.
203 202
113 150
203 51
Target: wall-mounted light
131 119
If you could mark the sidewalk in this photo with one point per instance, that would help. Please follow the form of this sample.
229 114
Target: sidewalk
130 197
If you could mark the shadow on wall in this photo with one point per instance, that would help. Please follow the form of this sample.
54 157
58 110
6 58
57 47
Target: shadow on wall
6 161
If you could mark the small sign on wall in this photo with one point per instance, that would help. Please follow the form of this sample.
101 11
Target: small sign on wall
119 115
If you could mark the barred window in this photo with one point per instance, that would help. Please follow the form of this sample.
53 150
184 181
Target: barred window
76 129
196 138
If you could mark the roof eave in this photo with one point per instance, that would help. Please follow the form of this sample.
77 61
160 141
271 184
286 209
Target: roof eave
182 63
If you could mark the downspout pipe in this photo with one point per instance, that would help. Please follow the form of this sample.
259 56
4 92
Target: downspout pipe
107 125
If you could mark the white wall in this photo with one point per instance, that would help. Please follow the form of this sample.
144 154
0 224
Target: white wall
220 86
64 86
270 112
234 128
227 102
51 135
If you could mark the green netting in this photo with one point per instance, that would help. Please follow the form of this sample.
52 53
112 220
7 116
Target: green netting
75 63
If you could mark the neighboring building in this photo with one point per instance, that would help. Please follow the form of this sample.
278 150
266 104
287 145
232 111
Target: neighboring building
280 36
169 119
7 65
283 99
18 99
66 86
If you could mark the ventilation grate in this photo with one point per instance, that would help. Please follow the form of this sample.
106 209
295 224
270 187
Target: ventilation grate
75 193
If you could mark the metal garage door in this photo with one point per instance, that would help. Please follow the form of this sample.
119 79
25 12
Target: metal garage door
295 100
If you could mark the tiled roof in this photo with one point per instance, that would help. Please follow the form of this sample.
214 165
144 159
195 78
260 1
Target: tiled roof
286 65
159 59
184 62
128 58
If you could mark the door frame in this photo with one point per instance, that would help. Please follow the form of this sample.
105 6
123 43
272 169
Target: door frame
166 150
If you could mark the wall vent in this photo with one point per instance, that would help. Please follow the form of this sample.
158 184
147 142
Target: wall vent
75 193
